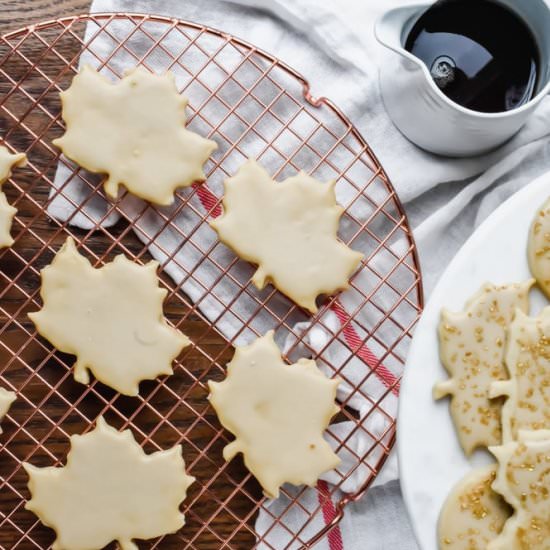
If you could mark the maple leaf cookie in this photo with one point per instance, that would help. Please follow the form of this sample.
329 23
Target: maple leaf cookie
538 250
472 347
289 229
473 514
523 479
111 318
527 405
8 161
109 490
6 399
133 131
278 413
7 213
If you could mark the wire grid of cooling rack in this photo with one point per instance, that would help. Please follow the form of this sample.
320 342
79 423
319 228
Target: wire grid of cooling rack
252 105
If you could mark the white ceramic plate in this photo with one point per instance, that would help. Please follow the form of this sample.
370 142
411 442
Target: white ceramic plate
430 458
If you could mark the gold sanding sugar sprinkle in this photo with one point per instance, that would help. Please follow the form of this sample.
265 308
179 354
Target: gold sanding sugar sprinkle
529 466
478 334
539 349
521 449
473 499
528 406
521 368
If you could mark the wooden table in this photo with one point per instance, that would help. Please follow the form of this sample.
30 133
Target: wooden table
19 445
20 13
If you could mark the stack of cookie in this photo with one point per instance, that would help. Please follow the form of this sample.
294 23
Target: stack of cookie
498 359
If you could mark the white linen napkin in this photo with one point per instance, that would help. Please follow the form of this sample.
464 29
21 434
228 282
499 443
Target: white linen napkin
445 198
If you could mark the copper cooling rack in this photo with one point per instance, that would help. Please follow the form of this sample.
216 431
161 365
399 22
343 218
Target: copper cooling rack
252 104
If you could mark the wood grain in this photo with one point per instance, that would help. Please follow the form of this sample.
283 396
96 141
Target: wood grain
44 414
20 13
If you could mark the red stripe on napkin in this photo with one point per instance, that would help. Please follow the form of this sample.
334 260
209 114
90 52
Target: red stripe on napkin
359 348
208 200
334 536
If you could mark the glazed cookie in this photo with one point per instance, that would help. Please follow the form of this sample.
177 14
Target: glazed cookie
111 318
472 346
7 213
473 514
137 128
110 490
538 250
6 399
8 161
289 229
278 413
528 361
523 480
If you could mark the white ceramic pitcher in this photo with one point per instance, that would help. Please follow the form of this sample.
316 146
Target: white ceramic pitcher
425 115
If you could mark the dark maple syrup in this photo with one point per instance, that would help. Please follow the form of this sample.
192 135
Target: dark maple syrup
480 54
